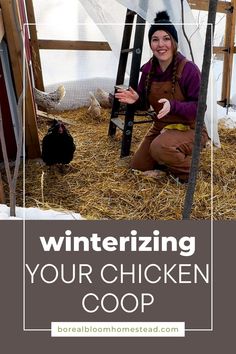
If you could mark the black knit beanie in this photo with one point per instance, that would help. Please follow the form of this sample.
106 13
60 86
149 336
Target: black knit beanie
162 23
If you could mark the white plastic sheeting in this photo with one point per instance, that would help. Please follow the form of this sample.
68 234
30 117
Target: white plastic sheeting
68 20
148 9
103 20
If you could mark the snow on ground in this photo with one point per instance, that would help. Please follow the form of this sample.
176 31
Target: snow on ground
37 214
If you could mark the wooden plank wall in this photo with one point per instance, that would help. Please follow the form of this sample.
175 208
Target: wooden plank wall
13 37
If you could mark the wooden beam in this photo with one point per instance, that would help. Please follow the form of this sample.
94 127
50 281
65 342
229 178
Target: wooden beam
222 50
203 5
14 39
228 56
72 45
37 68
49 116
2 30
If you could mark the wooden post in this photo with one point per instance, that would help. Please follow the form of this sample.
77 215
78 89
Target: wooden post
2 30
203 5
228 50
14 41
35 55
228 54
72 45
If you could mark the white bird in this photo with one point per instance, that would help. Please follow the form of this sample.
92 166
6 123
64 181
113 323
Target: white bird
94 109
49 100
103 98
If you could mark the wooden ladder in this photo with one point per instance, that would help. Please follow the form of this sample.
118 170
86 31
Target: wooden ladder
127 122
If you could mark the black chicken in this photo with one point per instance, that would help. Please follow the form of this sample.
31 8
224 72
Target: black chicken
58 145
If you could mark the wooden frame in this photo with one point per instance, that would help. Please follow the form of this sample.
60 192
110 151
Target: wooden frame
38 44
228 55
32 142
72 45
13 37
2 30
229 49
36 62
203 5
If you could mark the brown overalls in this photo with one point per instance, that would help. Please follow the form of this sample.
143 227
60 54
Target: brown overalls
172 148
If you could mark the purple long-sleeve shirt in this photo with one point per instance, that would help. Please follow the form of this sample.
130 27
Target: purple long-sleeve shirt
189 84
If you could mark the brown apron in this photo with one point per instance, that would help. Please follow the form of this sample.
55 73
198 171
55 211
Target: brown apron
164 90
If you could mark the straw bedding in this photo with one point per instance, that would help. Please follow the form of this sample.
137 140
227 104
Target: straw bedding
99 185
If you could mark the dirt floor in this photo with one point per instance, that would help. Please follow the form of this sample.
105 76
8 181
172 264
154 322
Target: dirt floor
99 185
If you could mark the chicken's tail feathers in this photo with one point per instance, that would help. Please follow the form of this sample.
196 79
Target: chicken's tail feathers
37 93
61 92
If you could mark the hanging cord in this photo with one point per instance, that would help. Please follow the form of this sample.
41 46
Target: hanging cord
183 29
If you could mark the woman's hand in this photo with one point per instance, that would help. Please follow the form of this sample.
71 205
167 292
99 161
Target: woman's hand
127 96
165 109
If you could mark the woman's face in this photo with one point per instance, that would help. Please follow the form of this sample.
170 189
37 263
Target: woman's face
162 46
